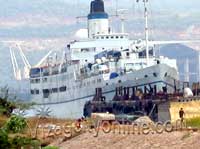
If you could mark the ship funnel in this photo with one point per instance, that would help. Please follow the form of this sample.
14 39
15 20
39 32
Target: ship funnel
97 19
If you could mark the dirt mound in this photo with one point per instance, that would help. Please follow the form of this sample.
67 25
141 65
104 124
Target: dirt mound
173 140
143 119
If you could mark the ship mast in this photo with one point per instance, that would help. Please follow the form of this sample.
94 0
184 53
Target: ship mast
146 30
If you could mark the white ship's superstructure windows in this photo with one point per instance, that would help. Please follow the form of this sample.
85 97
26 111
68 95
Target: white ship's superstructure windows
45 73
35 91
111 36
166 74
35 72
46 93
63 70
35 80
63 89
55 72
155 74
98 80
32 91
54 90
44 80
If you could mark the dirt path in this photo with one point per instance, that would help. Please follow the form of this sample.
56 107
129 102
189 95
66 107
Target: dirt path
173 140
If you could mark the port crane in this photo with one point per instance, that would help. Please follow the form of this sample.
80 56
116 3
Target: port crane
19 73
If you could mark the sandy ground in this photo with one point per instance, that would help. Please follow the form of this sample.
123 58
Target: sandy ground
172 140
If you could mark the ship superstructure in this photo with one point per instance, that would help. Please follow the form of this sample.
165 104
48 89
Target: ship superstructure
104 60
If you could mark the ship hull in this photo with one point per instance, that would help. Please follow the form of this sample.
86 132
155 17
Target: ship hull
71 106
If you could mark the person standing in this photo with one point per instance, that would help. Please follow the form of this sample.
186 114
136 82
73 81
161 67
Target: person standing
181 114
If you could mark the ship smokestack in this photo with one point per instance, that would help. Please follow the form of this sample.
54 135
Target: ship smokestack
97 19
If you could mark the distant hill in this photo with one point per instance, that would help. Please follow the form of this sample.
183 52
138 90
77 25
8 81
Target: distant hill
181 53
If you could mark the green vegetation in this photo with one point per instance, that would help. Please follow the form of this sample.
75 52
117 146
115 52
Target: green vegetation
193 122
12 127
15 129
6 107
11 137
16 124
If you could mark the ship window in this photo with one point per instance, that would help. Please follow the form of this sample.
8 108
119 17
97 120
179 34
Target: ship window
55 72
117 37
37 80
154 74
63 70
127 54
37 92
121 36
98 80
32 91
44 79
45 91
102 37
112 37
146 76
166 74
107 37
45 73
63 88
54 90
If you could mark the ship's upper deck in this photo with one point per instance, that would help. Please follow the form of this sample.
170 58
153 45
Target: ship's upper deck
114 40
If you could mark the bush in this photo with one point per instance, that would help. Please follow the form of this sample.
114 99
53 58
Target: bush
19 142
4 142
16 124
6 107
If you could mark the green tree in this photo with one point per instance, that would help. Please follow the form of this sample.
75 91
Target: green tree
16 124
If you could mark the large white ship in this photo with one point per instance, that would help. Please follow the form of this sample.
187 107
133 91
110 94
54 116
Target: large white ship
104 60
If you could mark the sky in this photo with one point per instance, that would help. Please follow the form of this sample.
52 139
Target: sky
27 5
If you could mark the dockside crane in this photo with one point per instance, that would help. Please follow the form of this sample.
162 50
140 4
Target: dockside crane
17 71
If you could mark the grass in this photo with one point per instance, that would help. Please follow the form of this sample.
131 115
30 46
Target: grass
193 122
